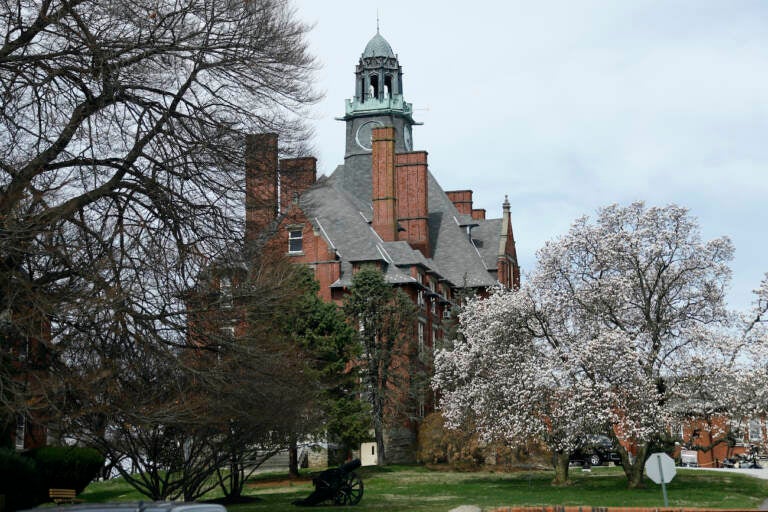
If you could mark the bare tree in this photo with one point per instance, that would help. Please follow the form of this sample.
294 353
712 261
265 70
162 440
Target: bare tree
121 163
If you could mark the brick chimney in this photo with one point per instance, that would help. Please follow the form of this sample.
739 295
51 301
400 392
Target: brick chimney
478 213
412 207
383 171
260 183
462 200
296 176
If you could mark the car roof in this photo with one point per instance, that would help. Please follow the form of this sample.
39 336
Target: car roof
158 506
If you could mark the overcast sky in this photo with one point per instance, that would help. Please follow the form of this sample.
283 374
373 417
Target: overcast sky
566 106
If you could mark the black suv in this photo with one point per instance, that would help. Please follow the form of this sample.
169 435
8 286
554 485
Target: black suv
596 451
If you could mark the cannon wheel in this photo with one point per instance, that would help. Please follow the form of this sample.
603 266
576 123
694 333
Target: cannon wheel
350 491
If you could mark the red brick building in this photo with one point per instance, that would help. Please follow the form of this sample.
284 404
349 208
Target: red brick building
381 207
26 335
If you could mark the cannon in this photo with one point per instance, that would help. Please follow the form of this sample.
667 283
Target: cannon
340 486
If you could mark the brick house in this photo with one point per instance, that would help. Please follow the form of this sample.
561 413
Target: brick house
26 334
381 207
713 439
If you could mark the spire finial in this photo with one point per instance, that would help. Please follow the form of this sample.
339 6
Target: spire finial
377 21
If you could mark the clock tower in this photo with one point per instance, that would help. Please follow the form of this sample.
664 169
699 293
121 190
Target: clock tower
378 101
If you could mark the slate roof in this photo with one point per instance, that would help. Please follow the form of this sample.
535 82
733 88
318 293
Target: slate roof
340 207
378 47
486 236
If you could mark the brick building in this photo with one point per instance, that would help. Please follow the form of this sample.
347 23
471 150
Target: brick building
25 334
381 207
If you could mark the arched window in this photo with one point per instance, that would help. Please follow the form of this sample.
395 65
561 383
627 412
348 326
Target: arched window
388 86
374 88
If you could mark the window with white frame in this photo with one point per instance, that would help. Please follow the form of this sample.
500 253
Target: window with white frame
755 430
421 339
295 241
21 430
225 288
736 431
420 298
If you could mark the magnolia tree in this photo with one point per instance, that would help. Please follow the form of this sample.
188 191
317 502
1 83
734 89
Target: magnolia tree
615 324
515 387
749 380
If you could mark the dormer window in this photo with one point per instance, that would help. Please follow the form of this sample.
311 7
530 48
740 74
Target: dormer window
295 241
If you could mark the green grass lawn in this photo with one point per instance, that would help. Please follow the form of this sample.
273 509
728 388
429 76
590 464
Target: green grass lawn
413 488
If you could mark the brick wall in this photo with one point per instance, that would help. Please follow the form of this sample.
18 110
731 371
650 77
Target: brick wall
296 176
462 200
383 170
412 207
260 183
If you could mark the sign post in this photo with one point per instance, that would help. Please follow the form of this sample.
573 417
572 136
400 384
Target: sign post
661 469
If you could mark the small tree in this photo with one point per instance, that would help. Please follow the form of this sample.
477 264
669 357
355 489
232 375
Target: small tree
332 349
385 319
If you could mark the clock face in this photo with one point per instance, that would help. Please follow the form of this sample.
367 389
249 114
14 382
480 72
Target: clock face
364 134
407 138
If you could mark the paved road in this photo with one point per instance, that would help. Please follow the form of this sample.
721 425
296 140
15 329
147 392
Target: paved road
757 473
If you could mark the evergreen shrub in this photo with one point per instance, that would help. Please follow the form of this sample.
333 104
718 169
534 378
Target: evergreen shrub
19 482
66 467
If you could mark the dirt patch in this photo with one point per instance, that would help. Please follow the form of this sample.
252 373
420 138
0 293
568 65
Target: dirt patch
286 482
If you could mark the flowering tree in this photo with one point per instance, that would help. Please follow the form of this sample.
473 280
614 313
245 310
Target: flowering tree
627 307
512 385
749 378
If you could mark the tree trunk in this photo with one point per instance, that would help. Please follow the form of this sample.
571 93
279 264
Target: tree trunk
235 481
379 433
560 461
634 471
293 459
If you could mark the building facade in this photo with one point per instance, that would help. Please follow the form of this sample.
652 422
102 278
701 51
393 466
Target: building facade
383 207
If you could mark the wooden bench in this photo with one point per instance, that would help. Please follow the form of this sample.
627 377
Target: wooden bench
63 496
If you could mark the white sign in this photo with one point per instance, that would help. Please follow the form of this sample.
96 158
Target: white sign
660 468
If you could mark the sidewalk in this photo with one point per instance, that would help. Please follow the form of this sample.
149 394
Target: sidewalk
757 473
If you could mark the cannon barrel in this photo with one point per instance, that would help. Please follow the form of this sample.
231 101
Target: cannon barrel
350 466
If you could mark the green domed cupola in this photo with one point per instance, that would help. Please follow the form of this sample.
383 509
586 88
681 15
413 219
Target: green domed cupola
378 99
378 47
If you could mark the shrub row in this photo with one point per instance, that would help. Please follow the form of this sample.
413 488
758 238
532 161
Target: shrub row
26 477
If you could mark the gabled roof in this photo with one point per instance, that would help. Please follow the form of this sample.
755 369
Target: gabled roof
486 237
340 207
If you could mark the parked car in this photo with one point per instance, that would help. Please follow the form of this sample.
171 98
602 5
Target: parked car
158 506
596 451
